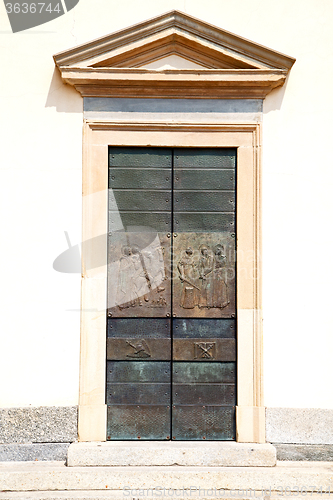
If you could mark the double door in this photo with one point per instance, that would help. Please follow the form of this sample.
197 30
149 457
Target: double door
171 327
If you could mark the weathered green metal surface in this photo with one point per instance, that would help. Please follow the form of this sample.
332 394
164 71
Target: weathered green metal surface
203 221
140 157
132 422
204 201
131 178
160 221
199 373
204 328
138 394
138 348
203 423
205 158
138 371
139 327
204 394
204 350
141 200
204 179
197 202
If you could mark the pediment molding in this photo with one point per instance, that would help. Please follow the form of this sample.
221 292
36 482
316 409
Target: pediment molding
226 65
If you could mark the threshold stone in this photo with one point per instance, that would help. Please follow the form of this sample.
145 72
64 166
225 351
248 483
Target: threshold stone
185 453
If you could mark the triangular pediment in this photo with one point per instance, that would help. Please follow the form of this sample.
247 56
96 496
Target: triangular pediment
171 44
172 61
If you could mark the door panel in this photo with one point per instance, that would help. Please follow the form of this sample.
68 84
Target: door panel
171 333
159 221
138 397
139 327
138 348
138 394
133 422
138 372
203 394
131 178
200 222
204 179
204 200
193 423
204 328
137 201
140 157
205 158
210 350
194 373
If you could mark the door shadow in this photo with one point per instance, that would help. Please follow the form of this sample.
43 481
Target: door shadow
274 100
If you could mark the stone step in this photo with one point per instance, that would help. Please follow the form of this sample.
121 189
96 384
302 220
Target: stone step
62 495
29 452
161 481
113 495
185 453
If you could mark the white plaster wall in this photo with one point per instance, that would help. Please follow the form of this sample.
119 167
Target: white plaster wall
41 196
41 130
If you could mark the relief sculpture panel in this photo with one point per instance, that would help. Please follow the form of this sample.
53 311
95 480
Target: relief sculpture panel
138 275
204 275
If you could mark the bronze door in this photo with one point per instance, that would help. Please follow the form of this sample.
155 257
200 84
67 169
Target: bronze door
171 328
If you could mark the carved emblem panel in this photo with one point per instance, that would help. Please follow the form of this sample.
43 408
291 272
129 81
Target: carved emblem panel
206 350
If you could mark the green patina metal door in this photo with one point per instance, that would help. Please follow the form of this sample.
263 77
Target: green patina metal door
171 327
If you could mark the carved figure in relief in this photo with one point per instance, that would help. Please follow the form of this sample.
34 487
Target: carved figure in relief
140 281
220 288
137 274
209 272
154 259
187 273
133 282
205 268
125 294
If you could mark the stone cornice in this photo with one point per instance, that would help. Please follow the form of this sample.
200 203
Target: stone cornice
114 82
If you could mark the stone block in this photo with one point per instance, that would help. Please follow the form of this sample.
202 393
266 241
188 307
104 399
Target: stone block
299 425
304 452
44 424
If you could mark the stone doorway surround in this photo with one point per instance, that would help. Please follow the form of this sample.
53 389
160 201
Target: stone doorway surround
172 81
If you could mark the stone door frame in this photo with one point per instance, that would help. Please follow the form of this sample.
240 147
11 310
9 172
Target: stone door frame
97 136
